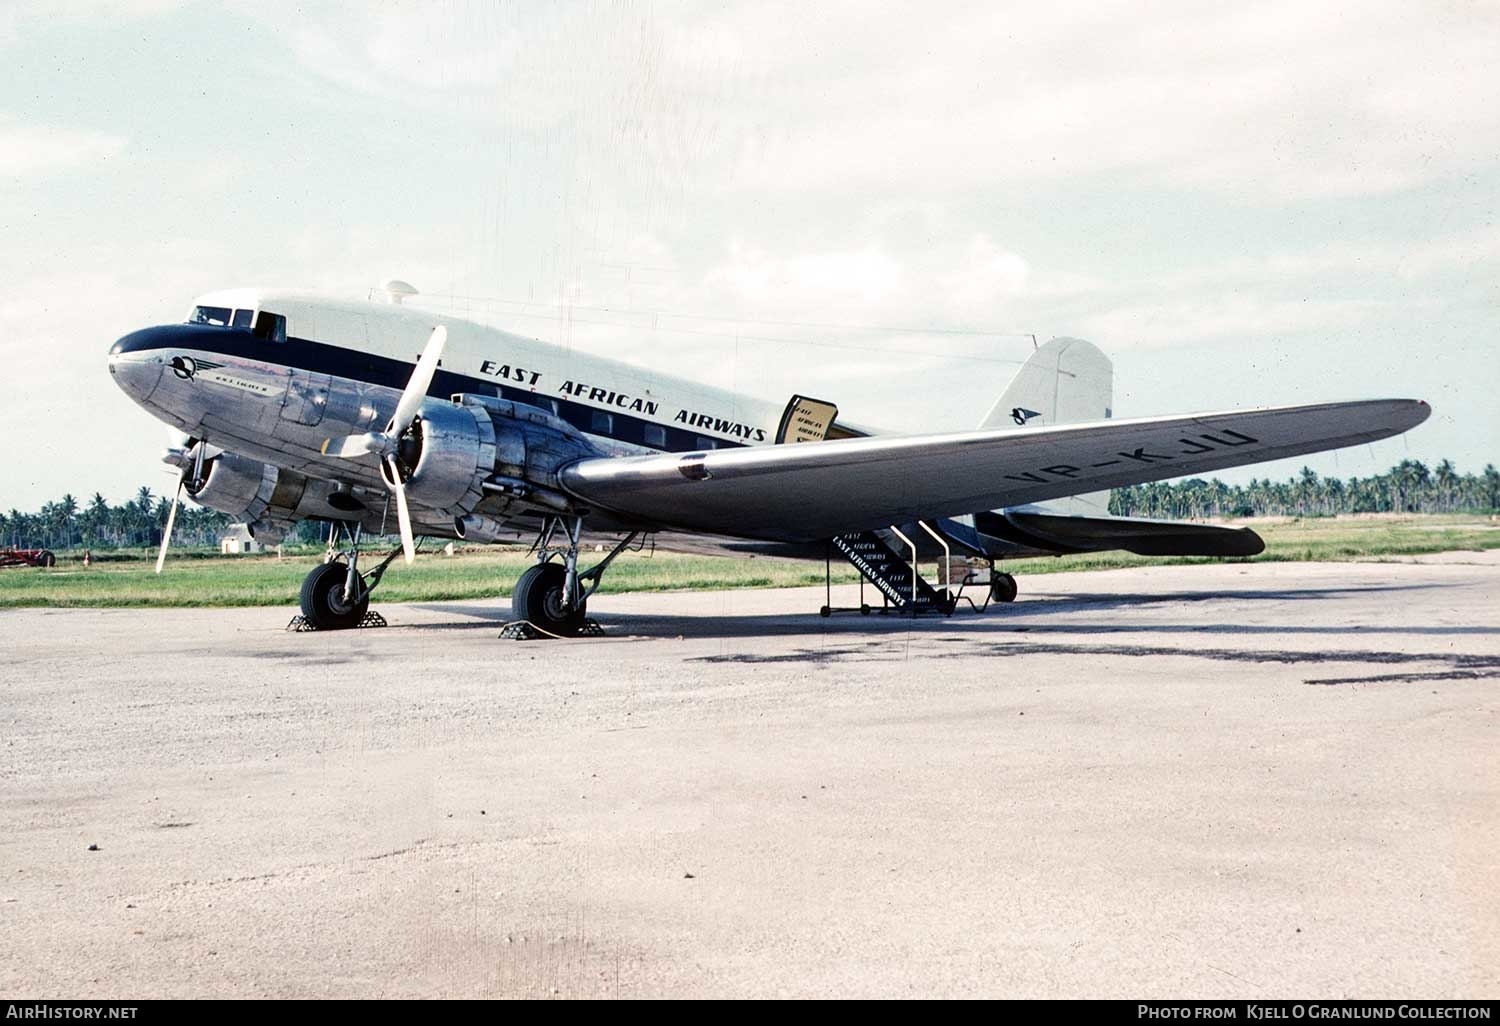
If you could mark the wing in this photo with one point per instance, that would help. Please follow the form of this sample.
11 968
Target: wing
819 489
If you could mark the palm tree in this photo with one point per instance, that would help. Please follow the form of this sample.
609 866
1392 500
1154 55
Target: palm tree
95 519
1446 482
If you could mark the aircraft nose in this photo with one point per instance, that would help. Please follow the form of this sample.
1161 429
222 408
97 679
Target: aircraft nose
136 368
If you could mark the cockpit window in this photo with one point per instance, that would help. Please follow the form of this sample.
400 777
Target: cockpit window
242 318
216 315
271 327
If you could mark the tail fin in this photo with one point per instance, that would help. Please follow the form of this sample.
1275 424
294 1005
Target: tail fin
1066 381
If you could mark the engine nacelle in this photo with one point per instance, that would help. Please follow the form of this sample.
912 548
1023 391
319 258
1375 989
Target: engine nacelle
531 446
269 500
447 454
455 455
236 485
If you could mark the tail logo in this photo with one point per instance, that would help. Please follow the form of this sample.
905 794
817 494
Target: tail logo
1021 415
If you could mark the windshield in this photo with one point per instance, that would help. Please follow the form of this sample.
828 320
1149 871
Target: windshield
216 315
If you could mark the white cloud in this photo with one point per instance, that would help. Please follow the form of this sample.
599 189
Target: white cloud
30 150
1272 101
1184 322
18 18
985 280
831 281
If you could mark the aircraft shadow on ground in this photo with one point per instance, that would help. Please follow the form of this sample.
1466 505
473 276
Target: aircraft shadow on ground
1038 613
1037 626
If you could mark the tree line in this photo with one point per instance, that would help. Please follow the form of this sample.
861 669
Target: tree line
65 524
1408 487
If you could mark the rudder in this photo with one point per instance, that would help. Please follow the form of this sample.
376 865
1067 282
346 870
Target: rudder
1066 381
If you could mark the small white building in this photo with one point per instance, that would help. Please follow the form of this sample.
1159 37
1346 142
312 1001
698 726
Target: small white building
237 542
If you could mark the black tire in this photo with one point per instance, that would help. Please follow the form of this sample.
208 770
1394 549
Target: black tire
48 559
864 609
323 603
537 599
1003 588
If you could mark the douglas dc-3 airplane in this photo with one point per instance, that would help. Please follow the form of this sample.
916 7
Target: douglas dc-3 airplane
298 405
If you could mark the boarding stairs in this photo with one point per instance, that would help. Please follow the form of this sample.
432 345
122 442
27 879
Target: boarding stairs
887 558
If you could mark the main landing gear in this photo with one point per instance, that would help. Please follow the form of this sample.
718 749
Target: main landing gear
335 595
553 596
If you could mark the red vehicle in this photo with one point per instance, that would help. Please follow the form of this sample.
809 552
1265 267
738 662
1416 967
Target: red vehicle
26 557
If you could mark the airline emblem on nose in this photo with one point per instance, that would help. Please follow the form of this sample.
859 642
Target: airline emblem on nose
185 366
1021 415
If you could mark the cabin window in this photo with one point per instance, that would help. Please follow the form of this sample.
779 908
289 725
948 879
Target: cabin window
271 327
656 436
241 318
602 423
215 315
705 443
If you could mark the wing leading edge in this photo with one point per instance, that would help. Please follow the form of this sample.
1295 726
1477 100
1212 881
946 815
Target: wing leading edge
819 489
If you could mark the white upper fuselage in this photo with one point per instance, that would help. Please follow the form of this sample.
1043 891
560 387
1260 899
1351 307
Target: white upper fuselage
551 376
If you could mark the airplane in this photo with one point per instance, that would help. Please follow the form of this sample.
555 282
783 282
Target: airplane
295 405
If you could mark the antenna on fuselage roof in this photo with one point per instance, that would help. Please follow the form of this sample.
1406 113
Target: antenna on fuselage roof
396 290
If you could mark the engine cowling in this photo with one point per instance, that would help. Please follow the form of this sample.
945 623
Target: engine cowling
457 454
236 485
269 500
445 457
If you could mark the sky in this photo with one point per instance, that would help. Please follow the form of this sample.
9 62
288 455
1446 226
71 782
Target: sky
878 204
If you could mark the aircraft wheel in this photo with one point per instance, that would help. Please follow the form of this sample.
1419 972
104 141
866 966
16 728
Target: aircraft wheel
323 603
1003 588
825 612
864 609
537 599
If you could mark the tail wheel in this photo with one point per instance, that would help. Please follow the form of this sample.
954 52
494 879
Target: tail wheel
538 599
323 603
1003 588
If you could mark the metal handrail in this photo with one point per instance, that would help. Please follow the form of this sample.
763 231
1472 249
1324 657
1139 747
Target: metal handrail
947 556
911 545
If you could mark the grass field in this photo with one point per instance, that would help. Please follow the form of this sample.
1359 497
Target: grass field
196 579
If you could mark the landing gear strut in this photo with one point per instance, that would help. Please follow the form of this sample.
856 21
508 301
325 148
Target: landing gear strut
553 596
335 595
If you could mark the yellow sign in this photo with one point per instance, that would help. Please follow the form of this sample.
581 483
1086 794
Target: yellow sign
806 420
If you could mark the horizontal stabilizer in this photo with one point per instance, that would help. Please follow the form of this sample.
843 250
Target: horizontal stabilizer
819 489
1053 533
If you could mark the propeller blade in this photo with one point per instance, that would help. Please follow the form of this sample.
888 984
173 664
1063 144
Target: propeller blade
353 446
403 515
410 404
166 536
421 379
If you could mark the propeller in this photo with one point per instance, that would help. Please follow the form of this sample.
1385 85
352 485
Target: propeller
198 451
385 444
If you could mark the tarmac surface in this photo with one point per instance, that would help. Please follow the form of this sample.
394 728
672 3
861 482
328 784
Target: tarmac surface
1276 780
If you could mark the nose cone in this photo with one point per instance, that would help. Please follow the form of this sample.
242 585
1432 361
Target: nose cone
135 362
